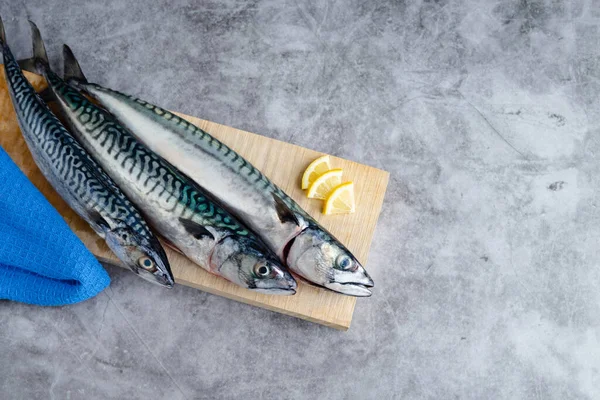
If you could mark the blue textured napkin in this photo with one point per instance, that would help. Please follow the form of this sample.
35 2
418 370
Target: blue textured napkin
41 260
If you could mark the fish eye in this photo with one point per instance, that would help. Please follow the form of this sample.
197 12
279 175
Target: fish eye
344 262
147 264
262 270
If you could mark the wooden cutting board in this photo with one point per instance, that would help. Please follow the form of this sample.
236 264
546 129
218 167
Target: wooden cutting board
283 163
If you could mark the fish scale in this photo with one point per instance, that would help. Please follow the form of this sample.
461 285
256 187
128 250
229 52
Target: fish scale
65 155
80 181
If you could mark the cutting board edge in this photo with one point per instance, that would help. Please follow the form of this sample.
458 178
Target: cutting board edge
339 324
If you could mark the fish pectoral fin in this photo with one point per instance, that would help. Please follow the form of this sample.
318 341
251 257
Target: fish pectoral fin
196 230
98 223
283 211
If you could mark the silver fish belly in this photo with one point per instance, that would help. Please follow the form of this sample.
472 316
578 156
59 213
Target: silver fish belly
300 242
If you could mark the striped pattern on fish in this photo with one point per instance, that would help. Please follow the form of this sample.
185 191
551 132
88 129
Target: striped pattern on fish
178 208
157 178
302 244
81 182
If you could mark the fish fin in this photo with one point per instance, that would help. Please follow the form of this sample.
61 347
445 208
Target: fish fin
39 50
98 222
2 34
72 69
28 64
39 60
283 211
196 230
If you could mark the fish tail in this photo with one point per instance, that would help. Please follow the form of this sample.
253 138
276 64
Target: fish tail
39 62
2 34
39 50
72 69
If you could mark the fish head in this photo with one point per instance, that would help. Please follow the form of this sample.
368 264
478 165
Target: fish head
320 258
249 264
144 256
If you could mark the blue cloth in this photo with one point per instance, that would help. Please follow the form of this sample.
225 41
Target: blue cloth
41 260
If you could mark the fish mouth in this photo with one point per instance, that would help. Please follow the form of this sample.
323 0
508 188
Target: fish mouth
166 281
160 280
288 287
358 287
350 288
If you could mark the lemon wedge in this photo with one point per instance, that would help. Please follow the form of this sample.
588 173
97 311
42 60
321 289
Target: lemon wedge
340 200
314 170
321 187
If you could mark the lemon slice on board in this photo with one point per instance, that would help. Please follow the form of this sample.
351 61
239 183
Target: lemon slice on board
340 200
321 187
314 170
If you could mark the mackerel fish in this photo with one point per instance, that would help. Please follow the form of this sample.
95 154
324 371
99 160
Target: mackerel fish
81 182
307 248
190 219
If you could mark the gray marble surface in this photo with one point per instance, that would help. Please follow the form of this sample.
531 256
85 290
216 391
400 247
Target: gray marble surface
486 256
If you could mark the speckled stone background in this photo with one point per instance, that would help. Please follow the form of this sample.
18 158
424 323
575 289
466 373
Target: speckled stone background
486 256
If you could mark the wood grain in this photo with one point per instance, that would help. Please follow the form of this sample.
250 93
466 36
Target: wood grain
283 163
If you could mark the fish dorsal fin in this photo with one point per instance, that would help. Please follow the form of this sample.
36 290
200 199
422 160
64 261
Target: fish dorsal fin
196 230
283 211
